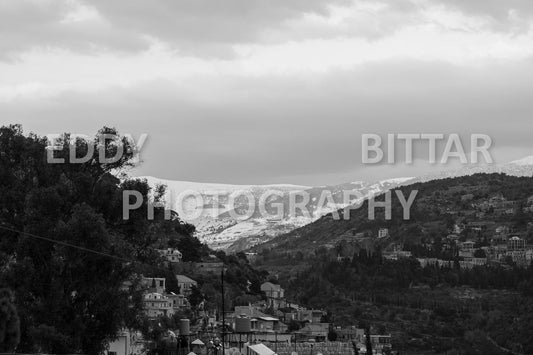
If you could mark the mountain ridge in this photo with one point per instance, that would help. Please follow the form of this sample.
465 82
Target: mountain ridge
217 228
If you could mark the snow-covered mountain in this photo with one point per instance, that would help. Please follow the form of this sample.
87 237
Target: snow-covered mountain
521 167
245 225
237 225
523 162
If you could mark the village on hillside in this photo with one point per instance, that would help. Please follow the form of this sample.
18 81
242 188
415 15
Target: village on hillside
487 240
273 325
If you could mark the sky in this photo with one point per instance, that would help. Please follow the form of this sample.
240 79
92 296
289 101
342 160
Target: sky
271 91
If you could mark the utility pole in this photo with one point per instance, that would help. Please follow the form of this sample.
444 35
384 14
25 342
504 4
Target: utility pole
223 310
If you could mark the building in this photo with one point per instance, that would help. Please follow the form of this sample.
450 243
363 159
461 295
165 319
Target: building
397 254
503 230
185 284
383 233
157 305
267 324
519 257
275 295
346 334
126 343
154 284
529 256
272 290
516 243
247 311
172 255
178 301
316 331
466 249
434 262
469 263
260 322
379 342
259 349
310 315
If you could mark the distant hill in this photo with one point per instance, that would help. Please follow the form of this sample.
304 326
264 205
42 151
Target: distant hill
440 207
222 231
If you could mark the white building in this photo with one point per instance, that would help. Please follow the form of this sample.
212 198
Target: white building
126 343
383 233
158 305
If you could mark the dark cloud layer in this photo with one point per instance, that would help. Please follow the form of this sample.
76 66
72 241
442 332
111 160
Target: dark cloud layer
289 130
207 28
272 123
198 27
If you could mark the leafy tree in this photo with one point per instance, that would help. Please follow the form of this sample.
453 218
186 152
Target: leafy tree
368 342
195 297
480 253
332 335
9 323
293 325
67 250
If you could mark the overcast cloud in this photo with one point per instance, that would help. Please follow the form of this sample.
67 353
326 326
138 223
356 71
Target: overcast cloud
256 91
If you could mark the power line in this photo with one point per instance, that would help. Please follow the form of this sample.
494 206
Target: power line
158 269
65 244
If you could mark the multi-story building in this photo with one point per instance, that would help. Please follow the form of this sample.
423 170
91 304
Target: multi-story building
516 243
157 305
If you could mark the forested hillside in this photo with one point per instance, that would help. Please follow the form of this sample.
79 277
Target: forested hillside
437 208
343 267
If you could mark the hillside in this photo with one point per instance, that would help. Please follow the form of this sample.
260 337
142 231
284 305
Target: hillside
440 207
220 230
345 269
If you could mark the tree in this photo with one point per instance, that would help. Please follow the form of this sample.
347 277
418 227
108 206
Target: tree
293 325
368 342
332 335
480 253
9 323
171 283
196 296
68 248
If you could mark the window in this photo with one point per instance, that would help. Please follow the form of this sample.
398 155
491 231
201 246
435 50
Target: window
111 353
